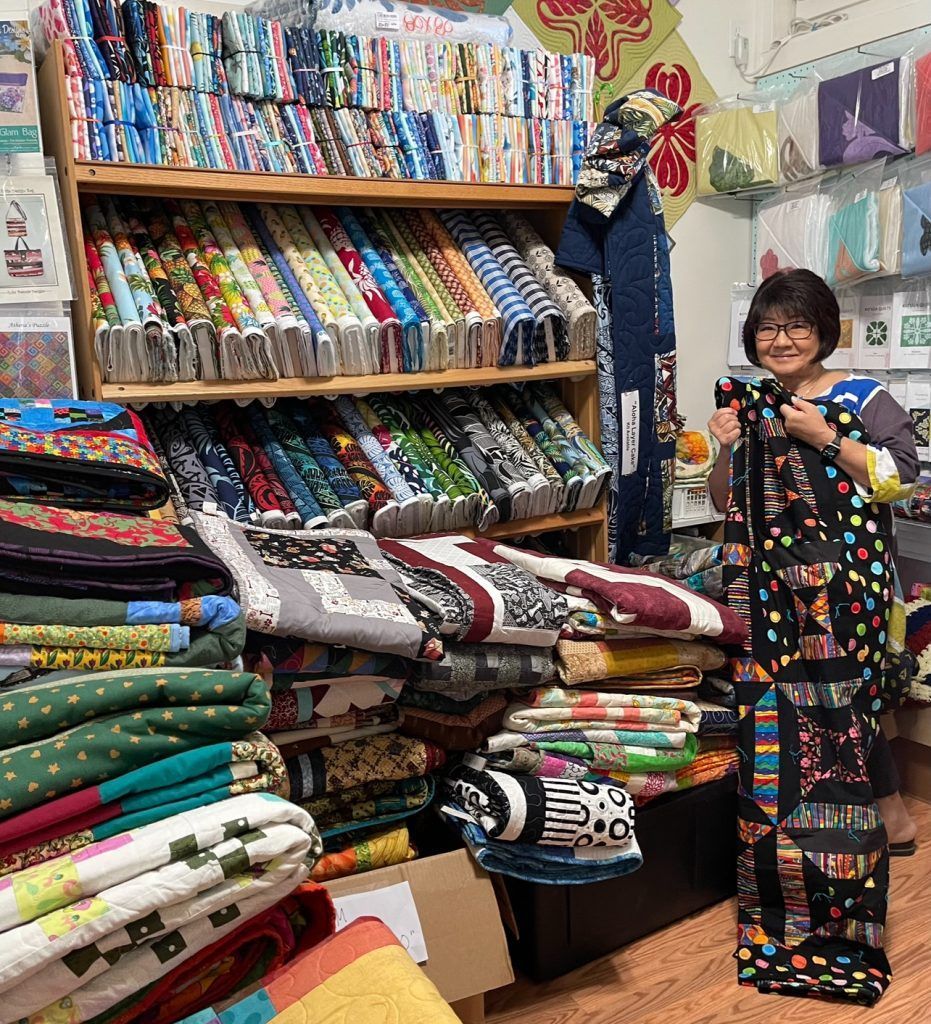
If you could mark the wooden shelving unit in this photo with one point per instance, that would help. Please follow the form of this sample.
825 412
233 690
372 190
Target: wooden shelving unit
544 205
304 387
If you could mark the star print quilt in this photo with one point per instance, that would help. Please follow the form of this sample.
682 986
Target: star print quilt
85 931
809 571
149 793
62 735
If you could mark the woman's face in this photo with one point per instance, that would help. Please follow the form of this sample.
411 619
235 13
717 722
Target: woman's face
790 351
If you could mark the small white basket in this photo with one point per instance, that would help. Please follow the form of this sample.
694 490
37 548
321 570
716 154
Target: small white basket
693 505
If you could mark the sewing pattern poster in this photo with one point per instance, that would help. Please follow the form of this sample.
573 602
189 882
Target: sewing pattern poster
33 254
19 109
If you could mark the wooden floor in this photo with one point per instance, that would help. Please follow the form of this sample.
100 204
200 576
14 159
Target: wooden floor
686 973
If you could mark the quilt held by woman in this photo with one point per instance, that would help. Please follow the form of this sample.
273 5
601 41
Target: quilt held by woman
808 567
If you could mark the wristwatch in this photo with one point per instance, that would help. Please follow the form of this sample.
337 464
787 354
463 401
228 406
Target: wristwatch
830 451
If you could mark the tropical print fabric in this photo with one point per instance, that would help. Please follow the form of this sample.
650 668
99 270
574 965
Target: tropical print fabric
813 864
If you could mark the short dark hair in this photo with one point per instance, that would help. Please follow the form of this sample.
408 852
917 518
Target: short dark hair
798 293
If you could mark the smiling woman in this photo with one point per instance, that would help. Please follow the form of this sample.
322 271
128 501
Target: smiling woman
792 326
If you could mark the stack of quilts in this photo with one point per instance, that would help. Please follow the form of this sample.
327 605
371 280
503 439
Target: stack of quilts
394 464
361 795
185 291
140 798
154 84
502 624
918 641
625 724
335 630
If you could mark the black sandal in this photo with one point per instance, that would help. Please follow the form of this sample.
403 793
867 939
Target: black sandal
906 849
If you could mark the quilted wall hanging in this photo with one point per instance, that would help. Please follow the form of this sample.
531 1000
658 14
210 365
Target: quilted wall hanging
673 70
620 34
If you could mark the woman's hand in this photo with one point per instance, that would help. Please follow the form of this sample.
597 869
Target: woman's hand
725 426
803 421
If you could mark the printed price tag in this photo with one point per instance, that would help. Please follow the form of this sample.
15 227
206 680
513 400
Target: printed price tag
388 21
883 70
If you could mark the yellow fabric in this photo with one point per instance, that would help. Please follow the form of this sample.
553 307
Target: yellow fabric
885 485
384 986
585 661
745 136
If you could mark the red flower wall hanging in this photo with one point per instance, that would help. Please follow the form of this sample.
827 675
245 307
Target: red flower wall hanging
673 154
599 28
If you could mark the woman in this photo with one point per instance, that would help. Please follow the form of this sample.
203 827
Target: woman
794 325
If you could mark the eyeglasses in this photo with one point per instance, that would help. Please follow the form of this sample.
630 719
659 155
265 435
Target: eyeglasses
797 330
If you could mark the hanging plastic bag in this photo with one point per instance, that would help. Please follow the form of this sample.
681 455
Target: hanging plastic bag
911 326
797 119
736 144
916 218
853 225
921 97
741 297
890 222
791 230
863 114
874 333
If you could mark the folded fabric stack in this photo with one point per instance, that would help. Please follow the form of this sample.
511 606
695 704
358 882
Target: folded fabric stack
84 933
918 641
918 506
393 464
359 974
323 697
145 846
153 84
696 564
183 290
307 597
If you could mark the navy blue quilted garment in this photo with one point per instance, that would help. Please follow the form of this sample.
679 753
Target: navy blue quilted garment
615 232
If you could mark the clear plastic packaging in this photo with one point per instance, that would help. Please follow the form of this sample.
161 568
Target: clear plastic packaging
37 354
918 406
921 97
741 297
862 114
791 230
844 356
797 119
853 225
736 144
874 332
915 178
911 326
890 222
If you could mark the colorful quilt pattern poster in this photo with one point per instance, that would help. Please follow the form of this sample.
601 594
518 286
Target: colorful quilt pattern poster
674 71
19 119
620 34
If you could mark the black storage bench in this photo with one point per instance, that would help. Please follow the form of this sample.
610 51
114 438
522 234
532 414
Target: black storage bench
689 849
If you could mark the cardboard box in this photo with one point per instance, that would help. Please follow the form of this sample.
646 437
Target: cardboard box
466 947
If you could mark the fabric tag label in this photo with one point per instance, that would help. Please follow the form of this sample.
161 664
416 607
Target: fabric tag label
394 905
630 431
388 21
883 70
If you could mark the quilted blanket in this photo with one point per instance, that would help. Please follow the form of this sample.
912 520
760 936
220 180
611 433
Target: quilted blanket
359 854
89 454
637 661
633 597
361 974
324 586
389 758
470 669
370 805
553 812
234 963
465 730
551 708
60 736
149 793
548 865
83 932
282 662
481 596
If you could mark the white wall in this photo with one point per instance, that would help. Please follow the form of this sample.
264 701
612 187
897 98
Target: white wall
712 238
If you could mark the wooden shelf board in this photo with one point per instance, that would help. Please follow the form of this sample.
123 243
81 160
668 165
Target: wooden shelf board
300 387
202 183
543 524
